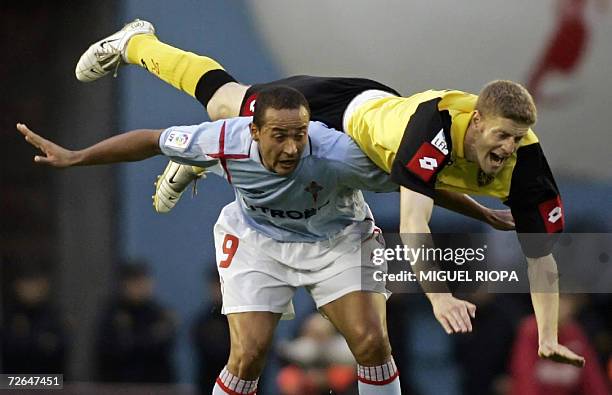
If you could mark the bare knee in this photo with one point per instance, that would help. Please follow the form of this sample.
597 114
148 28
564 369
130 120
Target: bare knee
370 345
225 102
218 111
247 360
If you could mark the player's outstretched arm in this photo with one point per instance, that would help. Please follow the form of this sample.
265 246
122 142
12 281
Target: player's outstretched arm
544 284
128 147
452 313
465 205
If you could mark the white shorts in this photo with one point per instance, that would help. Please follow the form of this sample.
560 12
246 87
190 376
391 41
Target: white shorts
258 273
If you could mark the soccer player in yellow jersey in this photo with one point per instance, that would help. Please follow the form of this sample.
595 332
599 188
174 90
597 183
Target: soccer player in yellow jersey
428 142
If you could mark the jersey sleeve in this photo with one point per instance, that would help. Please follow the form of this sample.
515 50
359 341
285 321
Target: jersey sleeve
535 202
351 166
357 171
424 150
194 145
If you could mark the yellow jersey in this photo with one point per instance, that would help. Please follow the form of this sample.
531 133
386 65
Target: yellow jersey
419 141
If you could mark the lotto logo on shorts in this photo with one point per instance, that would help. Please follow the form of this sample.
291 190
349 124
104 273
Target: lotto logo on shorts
426 162
551 212
178 140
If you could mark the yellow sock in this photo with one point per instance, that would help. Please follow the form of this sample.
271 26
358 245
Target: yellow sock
179 68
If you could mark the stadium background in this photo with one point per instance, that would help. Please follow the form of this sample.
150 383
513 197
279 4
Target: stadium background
83 221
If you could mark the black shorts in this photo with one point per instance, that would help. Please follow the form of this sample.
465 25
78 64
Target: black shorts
328 97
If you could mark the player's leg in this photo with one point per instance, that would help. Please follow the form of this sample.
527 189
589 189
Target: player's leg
356 304
255 292
205 79
251 334
360 317
199 76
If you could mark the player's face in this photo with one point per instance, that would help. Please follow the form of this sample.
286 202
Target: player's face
282 138
497 138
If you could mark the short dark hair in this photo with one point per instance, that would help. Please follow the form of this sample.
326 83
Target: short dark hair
279 97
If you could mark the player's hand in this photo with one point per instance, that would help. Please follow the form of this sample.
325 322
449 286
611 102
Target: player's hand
453 314
500 219
54 155
559 353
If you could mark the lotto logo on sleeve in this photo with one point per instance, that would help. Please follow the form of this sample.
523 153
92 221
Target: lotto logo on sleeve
177 139
552 215
426 162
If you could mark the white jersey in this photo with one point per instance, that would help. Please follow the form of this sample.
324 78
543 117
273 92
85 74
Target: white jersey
316 201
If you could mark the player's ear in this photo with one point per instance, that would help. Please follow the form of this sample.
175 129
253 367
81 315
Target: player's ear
477 120
254 131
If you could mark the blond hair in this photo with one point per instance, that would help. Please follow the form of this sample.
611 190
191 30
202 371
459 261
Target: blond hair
509 100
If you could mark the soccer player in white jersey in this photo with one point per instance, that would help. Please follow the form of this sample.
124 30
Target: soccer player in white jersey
299 219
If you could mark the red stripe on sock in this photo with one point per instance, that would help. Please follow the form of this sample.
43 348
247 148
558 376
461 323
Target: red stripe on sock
374 382
229 391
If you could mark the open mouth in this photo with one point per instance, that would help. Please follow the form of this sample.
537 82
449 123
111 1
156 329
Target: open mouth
497 160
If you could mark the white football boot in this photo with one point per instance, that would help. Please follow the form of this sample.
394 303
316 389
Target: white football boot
172 183
109 53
